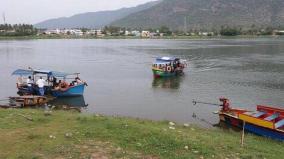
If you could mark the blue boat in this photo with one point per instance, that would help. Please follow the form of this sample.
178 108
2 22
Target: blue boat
52 87
70 92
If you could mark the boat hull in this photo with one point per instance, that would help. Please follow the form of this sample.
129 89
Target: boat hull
249 127
70 92
161 73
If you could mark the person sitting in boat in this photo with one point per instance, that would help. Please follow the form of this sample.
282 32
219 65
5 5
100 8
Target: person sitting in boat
62 86
225 104
78 80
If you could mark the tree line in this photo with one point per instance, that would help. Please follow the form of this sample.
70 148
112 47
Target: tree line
17 30
223 30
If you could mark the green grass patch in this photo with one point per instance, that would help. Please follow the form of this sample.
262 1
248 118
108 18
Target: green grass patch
73 135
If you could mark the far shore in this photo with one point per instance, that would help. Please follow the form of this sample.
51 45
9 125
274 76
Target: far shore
134 37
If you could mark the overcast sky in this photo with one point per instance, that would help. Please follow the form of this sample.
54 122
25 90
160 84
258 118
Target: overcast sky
34 11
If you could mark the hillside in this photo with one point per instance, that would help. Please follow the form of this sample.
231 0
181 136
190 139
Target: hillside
207 14
92 19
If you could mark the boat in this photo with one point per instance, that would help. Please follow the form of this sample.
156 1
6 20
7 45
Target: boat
168 67
53 87
265 121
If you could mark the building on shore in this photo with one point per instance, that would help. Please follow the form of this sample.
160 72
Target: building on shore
145 34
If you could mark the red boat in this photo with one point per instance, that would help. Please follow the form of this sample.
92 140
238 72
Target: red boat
265 121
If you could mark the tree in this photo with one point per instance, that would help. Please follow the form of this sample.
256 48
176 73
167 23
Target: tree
228 31
165 30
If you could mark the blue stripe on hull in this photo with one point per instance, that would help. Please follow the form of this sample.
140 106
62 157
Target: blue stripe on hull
73 91
264 132
255 129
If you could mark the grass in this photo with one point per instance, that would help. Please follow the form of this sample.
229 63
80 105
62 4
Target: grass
72 135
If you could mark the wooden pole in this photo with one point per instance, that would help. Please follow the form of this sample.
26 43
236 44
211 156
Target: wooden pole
243 134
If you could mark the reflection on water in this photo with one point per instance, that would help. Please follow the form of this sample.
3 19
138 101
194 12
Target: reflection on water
170 83
78 102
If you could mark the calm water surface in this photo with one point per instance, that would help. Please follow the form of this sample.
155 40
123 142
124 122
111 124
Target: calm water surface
118 72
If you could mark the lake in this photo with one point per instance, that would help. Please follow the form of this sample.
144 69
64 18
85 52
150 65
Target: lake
118 72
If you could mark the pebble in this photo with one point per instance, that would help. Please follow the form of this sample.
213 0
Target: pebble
68 135
172 128
186 125
172 124
47 113
52 137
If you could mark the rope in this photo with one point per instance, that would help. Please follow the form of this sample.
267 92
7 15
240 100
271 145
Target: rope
202 120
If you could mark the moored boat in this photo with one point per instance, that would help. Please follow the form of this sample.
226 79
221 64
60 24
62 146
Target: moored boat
266 121
56 83
168 67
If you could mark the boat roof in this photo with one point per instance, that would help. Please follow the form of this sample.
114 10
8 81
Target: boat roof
165 60
23 72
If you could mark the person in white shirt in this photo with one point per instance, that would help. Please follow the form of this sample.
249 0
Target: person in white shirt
30 84
40 83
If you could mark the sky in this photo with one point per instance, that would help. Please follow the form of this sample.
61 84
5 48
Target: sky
34 11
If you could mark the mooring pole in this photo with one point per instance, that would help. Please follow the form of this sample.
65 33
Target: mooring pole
243 134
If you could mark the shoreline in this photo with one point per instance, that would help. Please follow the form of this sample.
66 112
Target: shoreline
31 133
39 37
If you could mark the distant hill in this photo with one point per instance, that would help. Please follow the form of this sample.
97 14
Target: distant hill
207 14
92 19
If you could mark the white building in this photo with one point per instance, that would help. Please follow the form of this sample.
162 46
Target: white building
145 34
97 33
136 33
55 31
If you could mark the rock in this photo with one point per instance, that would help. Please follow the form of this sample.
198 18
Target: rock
192 129
201 157
68 135
52 137
195 152
172 128
186 125
47 113
186 147
172 124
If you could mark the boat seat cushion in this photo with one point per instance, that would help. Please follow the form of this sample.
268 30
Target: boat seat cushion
279 124
272 117
258 114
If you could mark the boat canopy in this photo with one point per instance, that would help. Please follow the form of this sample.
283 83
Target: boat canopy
22 72
165 60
